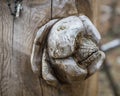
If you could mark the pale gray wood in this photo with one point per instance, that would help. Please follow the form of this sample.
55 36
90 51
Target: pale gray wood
1 48
62 36
63 8
18 36
86 7
17 76
7 83
73 65
35 14
59 9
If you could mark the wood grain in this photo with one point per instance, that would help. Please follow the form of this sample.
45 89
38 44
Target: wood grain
85 7
7 25
1 48
18 78
63 8
16 40
93 81
60 9
35 14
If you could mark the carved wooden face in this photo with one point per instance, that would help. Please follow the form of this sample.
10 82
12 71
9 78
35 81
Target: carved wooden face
71 52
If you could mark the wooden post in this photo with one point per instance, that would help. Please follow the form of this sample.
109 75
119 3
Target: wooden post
16 40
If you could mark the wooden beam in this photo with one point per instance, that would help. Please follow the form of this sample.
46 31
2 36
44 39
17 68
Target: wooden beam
7 83
16 41
35 14
1 49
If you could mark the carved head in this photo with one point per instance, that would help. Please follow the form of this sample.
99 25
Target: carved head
67 49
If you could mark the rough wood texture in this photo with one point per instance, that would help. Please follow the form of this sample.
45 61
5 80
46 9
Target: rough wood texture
70 54
85 7
1 49
6 66
16 39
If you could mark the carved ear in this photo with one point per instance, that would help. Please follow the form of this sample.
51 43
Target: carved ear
47 72
96 65
90 28
38 46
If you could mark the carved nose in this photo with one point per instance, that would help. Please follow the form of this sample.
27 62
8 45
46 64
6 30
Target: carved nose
85 49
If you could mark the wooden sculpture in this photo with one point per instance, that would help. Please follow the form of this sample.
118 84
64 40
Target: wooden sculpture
29 34
67 51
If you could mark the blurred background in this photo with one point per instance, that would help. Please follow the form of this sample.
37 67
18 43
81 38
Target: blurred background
109 77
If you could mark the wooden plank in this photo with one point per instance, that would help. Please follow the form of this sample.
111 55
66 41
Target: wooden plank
35 13
63 8
60 9
65 90
93 13
93 81
1 48
7 25
85 7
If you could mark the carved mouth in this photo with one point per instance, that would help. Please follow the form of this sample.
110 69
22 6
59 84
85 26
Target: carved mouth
88 60
86 52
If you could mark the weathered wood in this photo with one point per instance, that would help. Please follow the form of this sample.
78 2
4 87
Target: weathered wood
82 49
89 8
93 81
85 7
16 40
63 8
18 79
7 81
92 85
35 14
1 48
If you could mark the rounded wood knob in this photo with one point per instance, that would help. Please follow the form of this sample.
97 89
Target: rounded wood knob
66 50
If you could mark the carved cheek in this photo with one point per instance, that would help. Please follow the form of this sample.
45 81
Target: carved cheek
47 73
38 45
